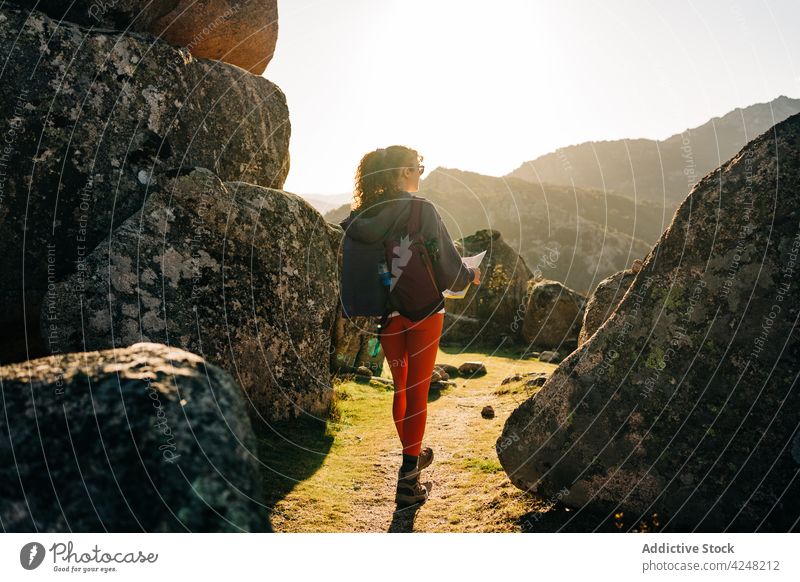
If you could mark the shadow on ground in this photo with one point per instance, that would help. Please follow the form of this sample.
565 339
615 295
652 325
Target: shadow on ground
289 453
403 517
561 519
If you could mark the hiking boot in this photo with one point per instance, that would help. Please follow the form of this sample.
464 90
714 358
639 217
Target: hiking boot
425 458
409 489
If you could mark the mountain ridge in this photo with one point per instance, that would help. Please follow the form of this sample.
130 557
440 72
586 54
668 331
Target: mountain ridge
662 171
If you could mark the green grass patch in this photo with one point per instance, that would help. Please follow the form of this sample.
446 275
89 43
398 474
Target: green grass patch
482 465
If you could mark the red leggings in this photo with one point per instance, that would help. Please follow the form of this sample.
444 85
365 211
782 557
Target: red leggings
410 348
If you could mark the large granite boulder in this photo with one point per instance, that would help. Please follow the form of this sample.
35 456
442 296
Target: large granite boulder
553 315
147 438
239 32
497 304
603 301
685 403
240 274
91 118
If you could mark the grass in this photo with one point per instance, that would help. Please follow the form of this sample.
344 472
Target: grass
482 465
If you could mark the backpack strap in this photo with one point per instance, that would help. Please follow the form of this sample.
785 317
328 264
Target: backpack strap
414 218
413 228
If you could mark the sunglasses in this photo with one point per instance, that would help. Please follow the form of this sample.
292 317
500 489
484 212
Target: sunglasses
420 168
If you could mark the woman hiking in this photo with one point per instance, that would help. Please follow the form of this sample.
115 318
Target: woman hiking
381 211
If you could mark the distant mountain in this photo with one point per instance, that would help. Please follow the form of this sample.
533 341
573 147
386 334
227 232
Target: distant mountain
572 235
658 171
337 214
327 202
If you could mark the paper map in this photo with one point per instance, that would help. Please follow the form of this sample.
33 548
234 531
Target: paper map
470 262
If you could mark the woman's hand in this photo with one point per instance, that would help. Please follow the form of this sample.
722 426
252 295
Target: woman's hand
477 279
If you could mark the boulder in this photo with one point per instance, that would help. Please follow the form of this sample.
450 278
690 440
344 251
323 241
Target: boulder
335 235
603 301
147 438
550 357
442 384
685 402
460 330
512 378
553 315
487 412
448 369
491 312
239 32
537 382
443 375
470 369
235 272
90 135
364 371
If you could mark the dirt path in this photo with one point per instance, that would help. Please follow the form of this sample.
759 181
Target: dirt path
342 477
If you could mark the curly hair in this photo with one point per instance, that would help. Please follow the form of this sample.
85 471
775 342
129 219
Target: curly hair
377 174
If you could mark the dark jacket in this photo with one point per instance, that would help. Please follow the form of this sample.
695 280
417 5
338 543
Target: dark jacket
389 218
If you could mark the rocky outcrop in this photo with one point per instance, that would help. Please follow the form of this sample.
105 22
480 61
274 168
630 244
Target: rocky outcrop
147 438
239 32
86 139
603 301
240 274
490 313
553 315
685 402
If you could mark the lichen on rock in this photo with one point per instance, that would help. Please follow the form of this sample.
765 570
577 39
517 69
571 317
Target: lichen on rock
206 268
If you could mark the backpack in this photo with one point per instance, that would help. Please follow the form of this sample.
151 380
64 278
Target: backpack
402 277
360 295
413 291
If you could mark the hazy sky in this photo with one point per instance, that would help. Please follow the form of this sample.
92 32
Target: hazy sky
485 86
